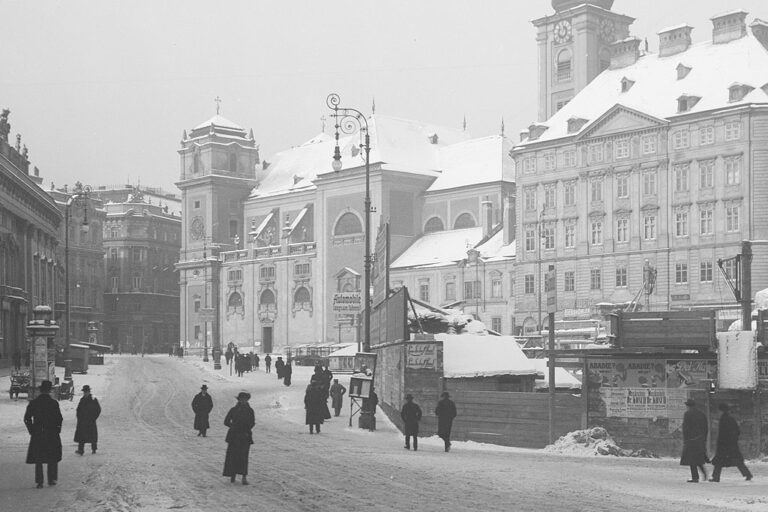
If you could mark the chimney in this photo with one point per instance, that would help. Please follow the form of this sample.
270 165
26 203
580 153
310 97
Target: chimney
674 40
728 26
487 212
625 52
509 220
760 31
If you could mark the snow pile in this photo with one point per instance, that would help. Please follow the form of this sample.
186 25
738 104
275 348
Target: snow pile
592 442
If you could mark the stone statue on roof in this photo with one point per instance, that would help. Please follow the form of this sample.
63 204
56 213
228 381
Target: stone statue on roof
5 126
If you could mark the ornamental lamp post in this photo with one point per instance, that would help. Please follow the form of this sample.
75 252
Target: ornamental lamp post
79 196
349 120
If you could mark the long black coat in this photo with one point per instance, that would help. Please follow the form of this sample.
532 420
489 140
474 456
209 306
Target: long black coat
695 430
337 394
445 412
240 420
279 364
411 416
315 405
43 420
287 371
88 411
202 405
727 453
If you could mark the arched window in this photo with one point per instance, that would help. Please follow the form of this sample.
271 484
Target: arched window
434 224
348 224
465 220
267 297
563 71
301 295
236 300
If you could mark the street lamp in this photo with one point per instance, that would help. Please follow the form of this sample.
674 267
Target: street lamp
80 195
349 120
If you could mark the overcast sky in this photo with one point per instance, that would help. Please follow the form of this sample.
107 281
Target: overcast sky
101 90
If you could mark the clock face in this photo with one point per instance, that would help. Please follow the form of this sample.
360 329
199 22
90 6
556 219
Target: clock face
562 32
197 229
607 31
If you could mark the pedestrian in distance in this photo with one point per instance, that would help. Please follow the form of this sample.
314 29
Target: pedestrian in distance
43 420
337 396
727 453
695 431
279 365
411 416
445 412
88 411
287 372
268 363
202 405
256 358
228 355
315 407
240 420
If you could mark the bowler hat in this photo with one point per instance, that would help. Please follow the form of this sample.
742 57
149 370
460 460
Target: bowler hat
86 388
45 386
243 394
690 402
409 396
203 387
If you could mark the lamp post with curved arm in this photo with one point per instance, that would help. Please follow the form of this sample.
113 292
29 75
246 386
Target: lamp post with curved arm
80 195
349 120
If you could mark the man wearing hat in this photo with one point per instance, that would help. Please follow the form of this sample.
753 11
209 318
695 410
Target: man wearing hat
240 420
202 405
727 453
445 412
88 411
43 420
411 416
695 429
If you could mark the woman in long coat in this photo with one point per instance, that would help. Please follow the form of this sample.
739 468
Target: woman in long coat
240 420
43 420
727 453
287 372
445 412
88 411
315 406
202 405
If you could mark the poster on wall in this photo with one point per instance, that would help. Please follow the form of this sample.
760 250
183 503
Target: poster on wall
422 356
690 373
623 373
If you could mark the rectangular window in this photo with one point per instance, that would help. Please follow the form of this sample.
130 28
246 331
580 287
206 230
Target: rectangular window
706 215
550 198
114 232
197 332
569 193
529 197
649 227
424 292
235 275
569 158
115 281
596 187
496 323
595 153
136 254
472 289
681 139
733 130
705 272
732 218
706 135
529 165
450 290
706 173
681 223
681 273
622 230
529 284
621 148
266 273
680 172
548 234
113 254
550 161
197 305
197 204
136 282
621 277
530 238
496 288
569 281
649 144
595 279
570 235
597 232
732 170
301 269
649 183
622 186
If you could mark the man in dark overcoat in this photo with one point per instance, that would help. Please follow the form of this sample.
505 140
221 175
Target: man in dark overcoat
727 453
43 420
279 365
287 373
411 416
88 411
695 430
445 412
240 420
315 406
268 363
202 405
337 396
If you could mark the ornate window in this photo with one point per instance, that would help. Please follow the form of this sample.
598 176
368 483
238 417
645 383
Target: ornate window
732 217
569 193
706 135
302 295
622 186
680 172
267 297
434 224
530 284
706 173
733 130
465 220
706 216
348 224
235 301
622 230
649 144
732 166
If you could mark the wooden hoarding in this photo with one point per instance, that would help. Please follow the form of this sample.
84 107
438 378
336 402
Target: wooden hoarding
666 329
389 319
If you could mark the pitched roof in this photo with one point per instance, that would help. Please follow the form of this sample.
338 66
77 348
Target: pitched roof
442 248
475 162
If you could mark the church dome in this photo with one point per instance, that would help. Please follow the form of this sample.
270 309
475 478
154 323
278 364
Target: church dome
562 5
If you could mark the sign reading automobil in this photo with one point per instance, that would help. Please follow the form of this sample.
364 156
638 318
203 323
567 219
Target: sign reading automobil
347 302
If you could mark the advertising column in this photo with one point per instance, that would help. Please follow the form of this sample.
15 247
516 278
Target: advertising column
42 331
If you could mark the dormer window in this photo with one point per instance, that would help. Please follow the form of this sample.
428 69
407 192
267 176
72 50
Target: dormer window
682 71
687 102
736 92
536 130
575 124
626 84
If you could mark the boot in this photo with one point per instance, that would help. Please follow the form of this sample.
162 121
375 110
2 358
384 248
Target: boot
245 480
232 479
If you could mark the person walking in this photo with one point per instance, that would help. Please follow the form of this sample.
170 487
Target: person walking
202 405
256 359
411 416
727 453
445 412
268 363
314 404
240 420
337 396
43 420
287 372
695 431
279 365
88 411
228 354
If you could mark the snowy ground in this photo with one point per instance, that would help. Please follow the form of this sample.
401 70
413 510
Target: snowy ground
150 459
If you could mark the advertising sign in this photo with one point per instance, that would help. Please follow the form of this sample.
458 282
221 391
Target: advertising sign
550 286
422 356
380 270
347 302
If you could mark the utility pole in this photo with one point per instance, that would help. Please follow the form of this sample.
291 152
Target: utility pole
551 289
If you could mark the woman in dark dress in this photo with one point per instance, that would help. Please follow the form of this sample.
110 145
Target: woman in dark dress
240 420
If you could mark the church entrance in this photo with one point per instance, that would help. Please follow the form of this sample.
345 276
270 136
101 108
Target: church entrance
266 336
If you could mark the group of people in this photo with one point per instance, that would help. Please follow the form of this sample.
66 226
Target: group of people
44 420
411 414
284 370
316 397
727 453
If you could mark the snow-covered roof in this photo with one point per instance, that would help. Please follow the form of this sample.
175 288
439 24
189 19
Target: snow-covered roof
350 350
218 120
656 88
475 162
472 355
448 247
563 378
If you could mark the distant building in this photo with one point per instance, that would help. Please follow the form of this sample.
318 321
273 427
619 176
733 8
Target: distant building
660 163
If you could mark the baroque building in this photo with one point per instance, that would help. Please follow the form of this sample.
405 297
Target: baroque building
658 165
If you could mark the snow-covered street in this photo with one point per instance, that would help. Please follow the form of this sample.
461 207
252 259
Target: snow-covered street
151 459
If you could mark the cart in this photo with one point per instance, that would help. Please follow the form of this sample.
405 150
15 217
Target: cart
20 381
67 389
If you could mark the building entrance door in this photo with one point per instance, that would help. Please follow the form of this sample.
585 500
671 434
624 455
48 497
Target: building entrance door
266 336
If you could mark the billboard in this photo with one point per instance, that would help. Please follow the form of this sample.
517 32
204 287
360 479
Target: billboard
347 302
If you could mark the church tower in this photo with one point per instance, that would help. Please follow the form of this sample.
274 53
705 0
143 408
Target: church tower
574 47
218 172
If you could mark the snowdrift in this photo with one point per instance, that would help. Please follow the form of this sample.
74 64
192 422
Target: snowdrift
592 442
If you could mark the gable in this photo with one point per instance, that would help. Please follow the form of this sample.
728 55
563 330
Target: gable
620 119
